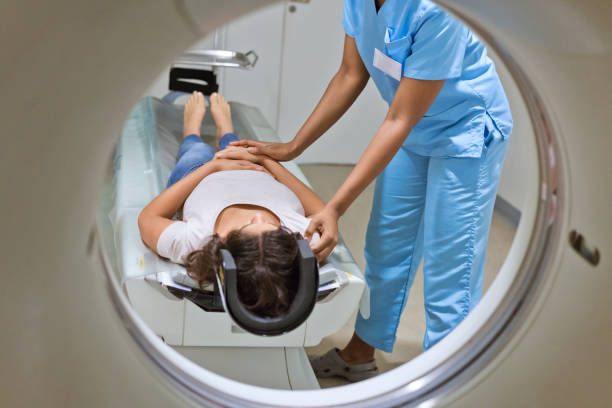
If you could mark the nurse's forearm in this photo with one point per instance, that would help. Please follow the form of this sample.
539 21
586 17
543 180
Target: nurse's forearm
412 99
378 154
342 91
340 94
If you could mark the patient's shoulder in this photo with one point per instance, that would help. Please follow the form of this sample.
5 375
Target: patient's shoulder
181 238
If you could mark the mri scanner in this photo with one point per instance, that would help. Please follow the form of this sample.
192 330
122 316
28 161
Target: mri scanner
71 73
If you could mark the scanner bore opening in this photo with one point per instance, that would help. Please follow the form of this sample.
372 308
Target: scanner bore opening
446 377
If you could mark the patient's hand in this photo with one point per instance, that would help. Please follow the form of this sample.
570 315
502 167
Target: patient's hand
240 153
236 164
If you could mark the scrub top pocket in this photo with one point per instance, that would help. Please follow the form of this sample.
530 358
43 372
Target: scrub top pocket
398 49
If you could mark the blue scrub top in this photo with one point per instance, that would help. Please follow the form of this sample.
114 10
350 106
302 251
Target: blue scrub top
430 44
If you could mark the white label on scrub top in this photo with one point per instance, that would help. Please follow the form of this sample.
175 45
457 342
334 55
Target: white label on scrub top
387 65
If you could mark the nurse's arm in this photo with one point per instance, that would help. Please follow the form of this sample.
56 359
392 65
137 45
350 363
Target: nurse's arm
343 89
345 86
412 100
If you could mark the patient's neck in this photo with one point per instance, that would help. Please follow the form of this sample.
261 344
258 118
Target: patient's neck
239 216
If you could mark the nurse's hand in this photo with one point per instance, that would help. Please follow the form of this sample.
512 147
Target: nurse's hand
239 153
277 151
326 223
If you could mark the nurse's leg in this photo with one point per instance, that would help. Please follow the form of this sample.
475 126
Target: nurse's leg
459 205
391 242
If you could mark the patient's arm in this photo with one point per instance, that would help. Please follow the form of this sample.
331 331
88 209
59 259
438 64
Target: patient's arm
157 215
311 203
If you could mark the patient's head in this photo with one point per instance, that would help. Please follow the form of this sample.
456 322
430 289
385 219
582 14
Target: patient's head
267 265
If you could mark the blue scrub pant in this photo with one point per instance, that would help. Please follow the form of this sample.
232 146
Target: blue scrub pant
193 153
439 208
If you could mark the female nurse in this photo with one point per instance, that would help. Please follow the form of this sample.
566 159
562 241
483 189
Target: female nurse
437 159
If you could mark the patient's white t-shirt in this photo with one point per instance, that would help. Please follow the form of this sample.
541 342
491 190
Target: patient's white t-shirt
218 191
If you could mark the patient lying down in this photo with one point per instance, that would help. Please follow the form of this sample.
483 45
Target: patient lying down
248 204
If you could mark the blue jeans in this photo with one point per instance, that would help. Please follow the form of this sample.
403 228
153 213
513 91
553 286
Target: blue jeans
194 153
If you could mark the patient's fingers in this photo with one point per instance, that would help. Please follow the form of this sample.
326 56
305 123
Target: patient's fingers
239 165
252 146
256 148
243 143
248 165
240 143
237 153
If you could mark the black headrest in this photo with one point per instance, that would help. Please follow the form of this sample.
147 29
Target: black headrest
302 305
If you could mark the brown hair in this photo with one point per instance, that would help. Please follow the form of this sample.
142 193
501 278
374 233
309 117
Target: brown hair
266 264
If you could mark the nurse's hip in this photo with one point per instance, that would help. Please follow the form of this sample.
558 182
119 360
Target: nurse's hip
445 186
